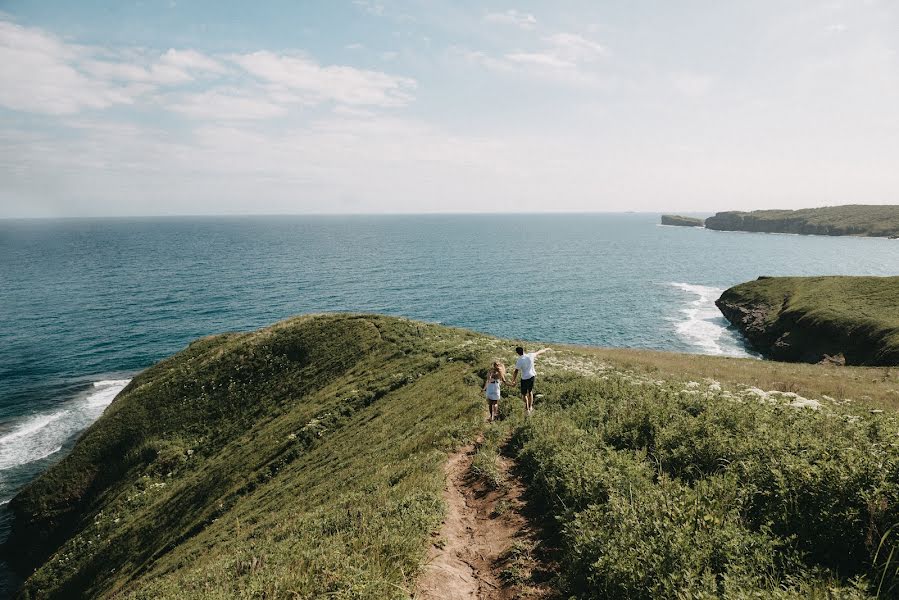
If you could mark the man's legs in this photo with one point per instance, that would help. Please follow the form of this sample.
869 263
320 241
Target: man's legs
527 394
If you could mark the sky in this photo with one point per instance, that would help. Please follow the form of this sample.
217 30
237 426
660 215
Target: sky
177 107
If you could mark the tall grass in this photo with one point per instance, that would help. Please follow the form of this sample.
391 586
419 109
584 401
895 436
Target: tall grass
660 493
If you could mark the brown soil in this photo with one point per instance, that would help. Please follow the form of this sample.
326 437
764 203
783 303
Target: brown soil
485 547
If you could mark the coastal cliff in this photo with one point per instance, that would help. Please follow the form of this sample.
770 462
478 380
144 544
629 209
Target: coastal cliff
855 220
812 319
680 221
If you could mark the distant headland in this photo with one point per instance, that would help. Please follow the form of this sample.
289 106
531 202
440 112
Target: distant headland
680 221
852 219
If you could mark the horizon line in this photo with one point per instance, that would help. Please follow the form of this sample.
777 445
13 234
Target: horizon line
359 214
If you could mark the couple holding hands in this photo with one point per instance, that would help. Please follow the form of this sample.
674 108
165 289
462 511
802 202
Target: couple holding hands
496 376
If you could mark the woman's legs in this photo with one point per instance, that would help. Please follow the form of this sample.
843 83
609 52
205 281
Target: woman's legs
492 409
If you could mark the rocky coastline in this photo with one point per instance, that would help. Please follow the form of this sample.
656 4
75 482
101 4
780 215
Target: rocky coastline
790 319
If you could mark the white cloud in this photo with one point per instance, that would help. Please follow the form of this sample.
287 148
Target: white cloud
160 73
575 48
42 73
171 68
540 59
563 58
191 60
512 17
226 105
343 84
37 75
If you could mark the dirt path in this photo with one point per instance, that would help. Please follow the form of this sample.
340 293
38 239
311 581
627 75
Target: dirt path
485 545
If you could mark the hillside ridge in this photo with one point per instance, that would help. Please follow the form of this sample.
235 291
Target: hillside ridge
309 458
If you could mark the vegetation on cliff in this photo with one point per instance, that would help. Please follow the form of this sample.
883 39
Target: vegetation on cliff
302 459
853 219
807 319
305 460
680 221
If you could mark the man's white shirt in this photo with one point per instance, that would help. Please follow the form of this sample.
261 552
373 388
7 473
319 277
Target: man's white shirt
525 364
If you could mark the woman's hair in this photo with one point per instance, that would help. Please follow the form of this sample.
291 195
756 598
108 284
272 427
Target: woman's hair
500 368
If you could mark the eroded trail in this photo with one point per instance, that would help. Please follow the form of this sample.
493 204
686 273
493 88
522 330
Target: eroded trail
485 545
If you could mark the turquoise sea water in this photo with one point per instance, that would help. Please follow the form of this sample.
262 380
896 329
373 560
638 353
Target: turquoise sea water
84 304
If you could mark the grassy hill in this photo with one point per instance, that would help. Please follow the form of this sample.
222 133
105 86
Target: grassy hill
806 318
305 460
853 219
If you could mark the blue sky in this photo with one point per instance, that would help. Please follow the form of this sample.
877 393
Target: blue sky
177 107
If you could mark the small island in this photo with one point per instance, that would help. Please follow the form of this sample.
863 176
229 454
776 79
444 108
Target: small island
679 221
842 320
854 219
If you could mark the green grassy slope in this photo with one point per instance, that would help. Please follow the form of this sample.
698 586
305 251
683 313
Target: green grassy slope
305 457
305 460
853 219
803 318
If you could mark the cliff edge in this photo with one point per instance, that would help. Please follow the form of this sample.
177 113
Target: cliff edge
814 319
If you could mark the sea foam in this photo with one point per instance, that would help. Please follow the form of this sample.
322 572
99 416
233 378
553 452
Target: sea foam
38 436
702 325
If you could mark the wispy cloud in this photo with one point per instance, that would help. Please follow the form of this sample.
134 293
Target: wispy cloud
512 17
343 84
574 48
560 58
541 59
43 73
37 75
191 60
227 105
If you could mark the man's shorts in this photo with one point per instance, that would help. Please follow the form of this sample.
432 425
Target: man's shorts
527 385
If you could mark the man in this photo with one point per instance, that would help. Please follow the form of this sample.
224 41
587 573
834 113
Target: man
525 364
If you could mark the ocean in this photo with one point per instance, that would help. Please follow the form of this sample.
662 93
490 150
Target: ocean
85 304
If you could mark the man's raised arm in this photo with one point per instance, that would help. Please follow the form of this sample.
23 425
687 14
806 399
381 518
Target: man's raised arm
539 352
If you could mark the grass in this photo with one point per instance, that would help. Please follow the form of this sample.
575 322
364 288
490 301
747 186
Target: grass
302 460
856 219
858 316
306 460
662 492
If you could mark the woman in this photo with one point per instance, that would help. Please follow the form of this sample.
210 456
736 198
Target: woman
496 376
